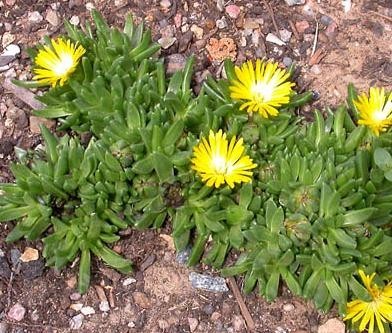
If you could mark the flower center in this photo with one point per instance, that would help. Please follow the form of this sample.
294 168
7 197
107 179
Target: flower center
262 91
379 116
64 65
221 166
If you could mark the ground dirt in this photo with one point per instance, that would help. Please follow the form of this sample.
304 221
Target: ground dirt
331 48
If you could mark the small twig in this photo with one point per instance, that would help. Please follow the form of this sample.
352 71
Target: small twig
244 310
294 30
271 13
315 39
9 289
388 18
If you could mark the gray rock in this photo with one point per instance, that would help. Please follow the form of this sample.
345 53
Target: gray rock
32 269
5 270
183 256
287 61
9 54
221 23
76 322
285 35
326 20
18 117
207 282
15 255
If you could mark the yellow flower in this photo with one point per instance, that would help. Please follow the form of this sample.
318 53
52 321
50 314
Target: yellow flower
379 309
263 88
219 162
375 111
57 62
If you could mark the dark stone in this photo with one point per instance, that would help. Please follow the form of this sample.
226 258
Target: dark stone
32 269
6 147
5 270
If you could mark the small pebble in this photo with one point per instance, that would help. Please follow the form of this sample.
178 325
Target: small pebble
295 2
165 4
287 61
74 20
87 310
29 254
288 307
17 312
233 11
274 39
199 32
221 23
89 6
251 23
34 17
75 296
76 322
104 306
285 35
52 18
76 306
128 281
193 323
7 39
166 42
326 20
315 69
207 282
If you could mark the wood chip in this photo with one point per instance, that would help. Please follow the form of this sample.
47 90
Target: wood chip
244 309
23 94
101 293
317 57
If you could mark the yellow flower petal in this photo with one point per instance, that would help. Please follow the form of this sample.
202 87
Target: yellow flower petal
56 63
377 311
375 111
262 87
218 162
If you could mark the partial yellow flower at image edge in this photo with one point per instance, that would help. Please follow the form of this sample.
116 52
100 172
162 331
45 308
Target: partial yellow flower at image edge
219 162
56 62
262 87
378 310
375 110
